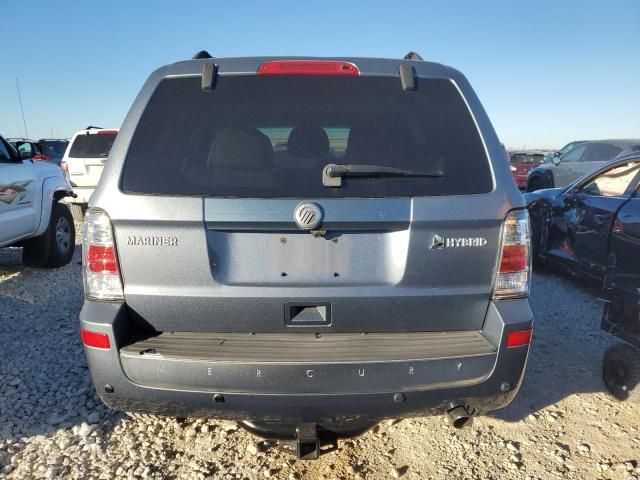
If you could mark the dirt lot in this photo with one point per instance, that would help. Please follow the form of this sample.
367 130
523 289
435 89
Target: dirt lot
52 424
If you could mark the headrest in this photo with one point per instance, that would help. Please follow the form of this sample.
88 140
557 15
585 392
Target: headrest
308 141
234 147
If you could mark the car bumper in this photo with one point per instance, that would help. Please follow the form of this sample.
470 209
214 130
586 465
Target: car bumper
521 182
314 391
83 195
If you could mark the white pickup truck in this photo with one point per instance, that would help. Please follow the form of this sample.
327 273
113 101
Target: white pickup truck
31 214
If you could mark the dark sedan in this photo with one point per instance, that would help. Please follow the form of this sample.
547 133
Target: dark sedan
593 225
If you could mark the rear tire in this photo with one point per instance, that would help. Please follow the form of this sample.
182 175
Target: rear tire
55 247
621 372
78 211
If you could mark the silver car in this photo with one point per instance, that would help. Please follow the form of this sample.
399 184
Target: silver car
578 161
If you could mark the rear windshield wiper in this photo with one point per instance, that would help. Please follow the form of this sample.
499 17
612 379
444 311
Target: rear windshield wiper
332 174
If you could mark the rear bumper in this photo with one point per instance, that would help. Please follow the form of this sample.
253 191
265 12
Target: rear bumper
480 373
521 181
83 195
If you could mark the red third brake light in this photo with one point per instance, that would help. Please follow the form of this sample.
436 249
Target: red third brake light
308 67
107 132
519 338
42 158
96 340
102 259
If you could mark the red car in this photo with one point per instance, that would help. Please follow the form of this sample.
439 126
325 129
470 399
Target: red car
521 163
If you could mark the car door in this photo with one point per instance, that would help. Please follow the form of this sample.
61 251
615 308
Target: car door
565 172
596 155
19 196
590 214
624 245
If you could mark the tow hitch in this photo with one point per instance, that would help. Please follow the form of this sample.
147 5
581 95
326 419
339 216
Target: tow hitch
306 440
311 441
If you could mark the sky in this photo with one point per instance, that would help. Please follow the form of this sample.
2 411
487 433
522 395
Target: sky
547 72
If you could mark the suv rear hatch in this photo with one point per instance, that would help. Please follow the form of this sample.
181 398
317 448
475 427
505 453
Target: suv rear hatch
87 156
212 178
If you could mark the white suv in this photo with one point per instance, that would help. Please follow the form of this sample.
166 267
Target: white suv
84 160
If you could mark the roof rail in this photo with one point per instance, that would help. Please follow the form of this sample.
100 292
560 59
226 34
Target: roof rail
201 54
413 56
90 127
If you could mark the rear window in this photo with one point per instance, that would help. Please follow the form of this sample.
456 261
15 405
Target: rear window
53 148
92 145
271 136
527 158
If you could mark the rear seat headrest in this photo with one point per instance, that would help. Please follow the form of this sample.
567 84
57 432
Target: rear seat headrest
235 147
308 141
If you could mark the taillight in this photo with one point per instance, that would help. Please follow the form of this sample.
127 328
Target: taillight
101 259
95 340
514 267
519 338
308 67
65 168
42 158
514 259
101 273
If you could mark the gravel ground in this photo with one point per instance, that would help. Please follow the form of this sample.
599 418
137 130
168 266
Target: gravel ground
53 425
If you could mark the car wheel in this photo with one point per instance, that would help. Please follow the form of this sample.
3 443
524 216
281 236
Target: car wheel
621 372
55 247
78 211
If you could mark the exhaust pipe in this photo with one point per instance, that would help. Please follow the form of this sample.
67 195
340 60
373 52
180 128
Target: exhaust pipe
460 416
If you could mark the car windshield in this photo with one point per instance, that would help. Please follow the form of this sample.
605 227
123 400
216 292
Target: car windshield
261 136
568 147
92 145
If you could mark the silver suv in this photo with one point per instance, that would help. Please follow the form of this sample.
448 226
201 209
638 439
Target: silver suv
307 246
